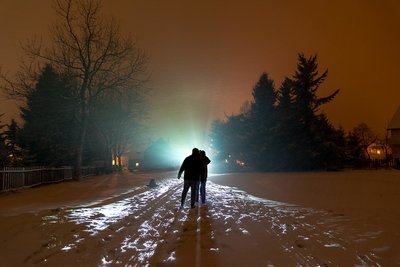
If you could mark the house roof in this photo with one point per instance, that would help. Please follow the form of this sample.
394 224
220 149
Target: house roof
395 122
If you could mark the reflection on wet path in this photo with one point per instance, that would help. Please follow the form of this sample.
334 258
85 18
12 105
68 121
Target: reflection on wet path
145 227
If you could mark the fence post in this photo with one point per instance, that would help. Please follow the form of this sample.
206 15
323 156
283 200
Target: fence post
4 179
23 176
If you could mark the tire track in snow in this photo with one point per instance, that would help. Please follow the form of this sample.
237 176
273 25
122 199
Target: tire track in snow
133 237
94 233
146 228
256 232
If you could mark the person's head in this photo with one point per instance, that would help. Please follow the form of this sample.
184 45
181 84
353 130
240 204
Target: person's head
202 153
195 152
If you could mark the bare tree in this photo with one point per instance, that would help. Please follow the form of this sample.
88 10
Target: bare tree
90 49
365 136
118 118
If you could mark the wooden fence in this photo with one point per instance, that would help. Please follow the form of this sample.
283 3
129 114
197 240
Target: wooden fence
382 163
15 178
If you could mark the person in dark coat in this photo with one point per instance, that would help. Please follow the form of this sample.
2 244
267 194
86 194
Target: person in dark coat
192 166
203 177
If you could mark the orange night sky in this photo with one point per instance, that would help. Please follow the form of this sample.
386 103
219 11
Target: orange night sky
207 55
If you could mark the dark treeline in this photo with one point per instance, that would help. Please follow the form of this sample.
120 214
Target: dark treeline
284 129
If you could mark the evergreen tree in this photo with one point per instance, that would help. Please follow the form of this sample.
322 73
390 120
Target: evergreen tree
329 145
237 139
49 132
217 144
262 124
287 130
309 137
340 142
227 141
306 82
11 136
285 98
354 152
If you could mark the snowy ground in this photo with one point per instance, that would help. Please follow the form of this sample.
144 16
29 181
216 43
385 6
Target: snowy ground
278 219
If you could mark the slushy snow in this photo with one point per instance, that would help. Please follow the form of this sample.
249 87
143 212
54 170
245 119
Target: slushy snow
345 218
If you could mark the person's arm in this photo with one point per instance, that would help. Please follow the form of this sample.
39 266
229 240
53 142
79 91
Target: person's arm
183 166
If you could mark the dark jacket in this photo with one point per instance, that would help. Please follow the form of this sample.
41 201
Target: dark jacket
192 166
204 173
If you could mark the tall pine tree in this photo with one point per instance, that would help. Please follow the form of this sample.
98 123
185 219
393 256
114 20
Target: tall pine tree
262 123
49 132
286 132
309 139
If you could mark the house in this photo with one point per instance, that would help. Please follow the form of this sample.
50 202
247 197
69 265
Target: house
394 139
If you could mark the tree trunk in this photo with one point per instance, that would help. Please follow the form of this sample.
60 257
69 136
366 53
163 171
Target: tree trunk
81 142
108 160
119 162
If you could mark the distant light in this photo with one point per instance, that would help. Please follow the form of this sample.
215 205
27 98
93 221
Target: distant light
378 152
226 161
113 162
137 164
239 162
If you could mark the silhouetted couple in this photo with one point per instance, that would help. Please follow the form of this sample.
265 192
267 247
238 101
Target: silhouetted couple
195 168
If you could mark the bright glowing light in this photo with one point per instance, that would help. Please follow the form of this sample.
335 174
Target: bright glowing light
181 152
189 132
137 164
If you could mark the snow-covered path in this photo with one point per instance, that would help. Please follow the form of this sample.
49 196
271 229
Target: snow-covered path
145 227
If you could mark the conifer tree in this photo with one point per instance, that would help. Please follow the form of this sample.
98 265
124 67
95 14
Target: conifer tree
262 122
286 133
49 131
308 117
11 136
